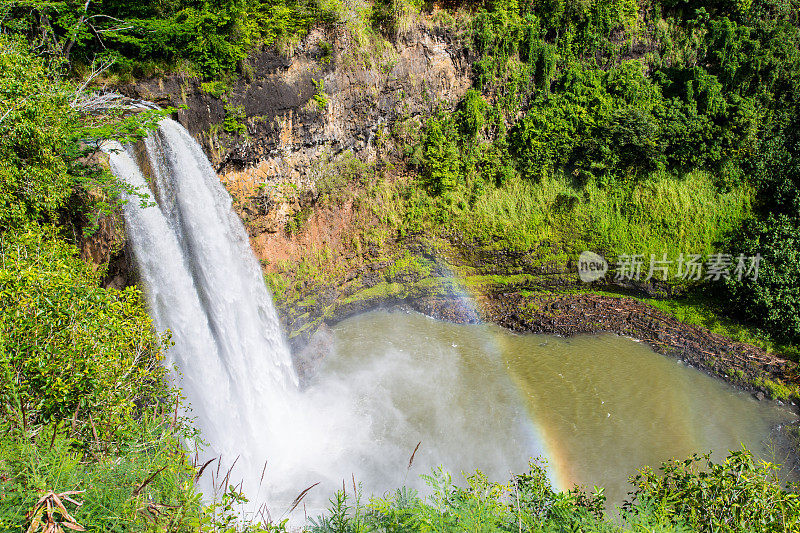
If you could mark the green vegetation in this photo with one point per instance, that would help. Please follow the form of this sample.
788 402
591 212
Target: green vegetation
91 435
702 310
392 17
696 492
143 38
215 88
648 217
44 458
647 127
69 345
589 125
320 97
234 120
624 127
44 121
298 220
772 301
84 405
737 495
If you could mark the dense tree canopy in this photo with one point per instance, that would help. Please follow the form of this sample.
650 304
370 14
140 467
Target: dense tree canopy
211 38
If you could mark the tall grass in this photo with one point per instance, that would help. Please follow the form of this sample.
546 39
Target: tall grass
520 214
149 479
664 214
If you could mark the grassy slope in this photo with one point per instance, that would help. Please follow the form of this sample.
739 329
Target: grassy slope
669 214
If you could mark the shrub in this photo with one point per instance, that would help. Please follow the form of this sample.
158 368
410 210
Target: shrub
440 156
37 176
48 171
234 121
473 110
320 96
737 495
215 37
697 494
772 300
71 349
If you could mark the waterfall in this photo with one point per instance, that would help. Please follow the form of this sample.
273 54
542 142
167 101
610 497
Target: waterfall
205 286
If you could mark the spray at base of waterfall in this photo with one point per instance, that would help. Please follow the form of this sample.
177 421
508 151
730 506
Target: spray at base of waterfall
203 283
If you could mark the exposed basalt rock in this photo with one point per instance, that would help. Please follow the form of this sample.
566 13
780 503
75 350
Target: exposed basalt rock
277 95
305 109
105 246
98 245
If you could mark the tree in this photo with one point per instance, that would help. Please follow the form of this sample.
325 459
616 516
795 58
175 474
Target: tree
773 299
440 156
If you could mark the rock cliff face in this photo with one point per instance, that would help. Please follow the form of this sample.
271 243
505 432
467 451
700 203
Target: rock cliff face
272 124
107 247
332 95
265 130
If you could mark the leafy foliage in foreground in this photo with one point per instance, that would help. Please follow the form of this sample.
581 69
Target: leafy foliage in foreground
84 404
114 494
737 495
526 502
69 347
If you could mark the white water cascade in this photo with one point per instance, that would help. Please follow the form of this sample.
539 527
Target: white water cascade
205 286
